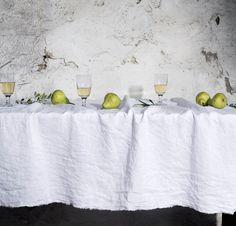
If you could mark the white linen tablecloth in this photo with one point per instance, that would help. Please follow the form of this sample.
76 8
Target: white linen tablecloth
128 159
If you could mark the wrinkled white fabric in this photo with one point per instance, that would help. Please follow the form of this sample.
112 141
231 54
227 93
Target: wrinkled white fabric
128 159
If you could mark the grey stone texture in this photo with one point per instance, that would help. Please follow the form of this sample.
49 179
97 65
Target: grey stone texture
122 42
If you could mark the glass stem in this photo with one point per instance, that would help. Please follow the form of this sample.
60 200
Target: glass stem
8 100
84 102
160 97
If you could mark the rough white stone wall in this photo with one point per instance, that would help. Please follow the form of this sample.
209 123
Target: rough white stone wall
123 42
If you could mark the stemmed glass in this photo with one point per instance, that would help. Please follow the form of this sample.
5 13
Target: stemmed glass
160 86
7 84
84 84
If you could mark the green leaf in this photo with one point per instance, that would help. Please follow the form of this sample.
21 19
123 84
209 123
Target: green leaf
151 101
145 104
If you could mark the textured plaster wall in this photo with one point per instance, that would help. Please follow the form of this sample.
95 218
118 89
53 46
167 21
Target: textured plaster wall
123 42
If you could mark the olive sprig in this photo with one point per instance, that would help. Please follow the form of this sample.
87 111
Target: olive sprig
145 103
37 97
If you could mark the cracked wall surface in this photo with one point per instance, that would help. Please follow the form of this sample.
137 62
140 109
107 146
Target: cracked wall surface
122 43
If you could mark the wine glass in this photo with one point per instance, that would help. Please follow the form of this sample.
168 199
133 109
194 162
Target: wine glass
7 84
136 92
84 84
160 86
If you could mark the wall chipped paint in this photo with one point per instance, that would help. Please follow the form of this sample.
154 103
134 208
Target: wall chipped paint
122 42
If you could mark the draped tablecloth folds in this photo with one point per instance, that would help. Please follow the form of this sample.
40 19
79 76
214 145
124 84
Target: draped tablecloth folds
128 159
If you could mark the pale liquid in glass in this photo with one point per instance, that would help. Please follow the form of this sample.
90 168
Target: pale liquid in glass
160 88
84 92
8 88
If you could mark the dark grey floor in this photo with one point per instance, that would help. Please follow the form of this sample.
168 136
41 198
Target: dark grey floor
62 215
229 220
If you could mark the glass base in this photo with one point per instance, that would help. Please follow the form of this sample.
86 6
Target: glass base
161 103
8 105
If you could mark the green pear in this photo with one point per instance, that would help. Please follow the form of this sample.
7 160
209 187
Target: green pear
111 101
219 101
209 102
59 97
202 98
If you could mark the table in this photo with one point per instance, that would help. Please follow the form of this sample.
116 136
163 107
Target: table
128 159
